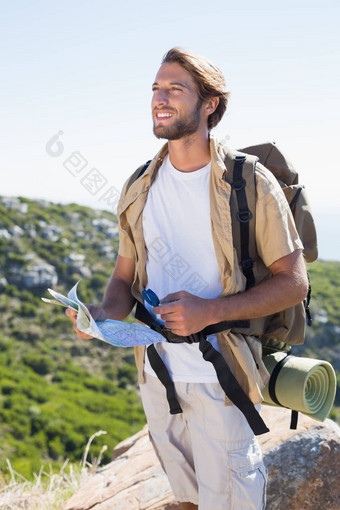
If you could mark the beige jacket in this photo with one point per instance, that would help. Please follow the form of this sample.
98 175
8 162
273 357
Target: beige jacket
276 237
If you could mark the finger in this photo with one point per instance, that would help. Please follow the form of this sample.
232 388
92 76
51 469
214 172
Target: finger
80 334
174 296
71 314
163 310
176 329
84 336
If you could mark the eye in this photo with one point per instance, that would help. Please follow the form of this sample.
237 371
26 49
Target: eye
176 89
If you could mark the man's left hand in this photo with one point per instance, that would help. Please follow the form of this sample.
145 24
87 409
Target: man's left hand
184 313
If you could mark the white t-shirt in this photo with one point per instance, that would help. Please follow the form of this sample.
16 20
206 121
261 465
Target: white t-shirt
181 256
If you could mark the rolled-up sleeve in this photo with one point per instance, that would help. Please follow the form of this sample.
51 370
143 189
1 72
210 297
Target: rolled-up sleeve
276 234
126 246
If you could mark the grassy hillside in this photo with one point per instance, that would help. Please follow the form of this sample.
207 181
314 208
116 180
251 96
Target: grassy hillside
56 390
323 337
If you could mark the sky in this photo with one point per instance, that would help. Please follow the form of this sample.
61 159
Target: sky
75 92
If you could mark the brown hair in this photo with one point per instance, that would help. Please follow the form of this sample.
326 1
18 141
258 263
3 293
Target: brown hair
208 78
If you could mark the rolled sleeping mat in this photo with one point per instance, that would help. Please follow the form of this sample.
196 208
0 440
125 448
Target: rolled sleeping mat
301 384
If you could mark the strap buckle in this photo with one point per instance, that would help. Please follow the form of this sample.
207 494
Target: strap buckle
240 159
237 185
244 216
247 264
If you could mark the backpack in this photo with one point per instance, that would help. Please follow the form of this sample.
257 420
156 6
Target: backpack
279 331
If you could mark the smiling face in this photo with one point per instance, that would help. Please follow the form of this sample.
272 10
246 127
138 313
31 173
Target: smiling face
176 107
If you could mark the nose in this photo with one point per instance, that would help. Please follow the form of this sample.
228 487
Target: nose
159 98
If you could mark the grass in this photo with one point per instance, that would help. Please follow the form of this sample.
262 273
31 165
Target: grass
49 490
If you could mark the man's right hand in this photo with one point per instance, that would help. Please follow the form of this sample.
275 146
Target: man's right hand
118 300
97 312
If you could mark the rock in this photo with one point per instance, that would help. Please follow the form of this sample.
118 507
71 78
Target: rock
14 203
109 228
106 250
75 261
30 231
3 282
321 316
38 274
134 480
16 231
30 256
51 232
4 234
43 203
74 258
303 468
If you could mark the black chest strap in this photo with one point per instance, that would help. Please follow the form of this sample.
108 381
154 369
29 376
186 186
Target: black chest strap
143 315
227 380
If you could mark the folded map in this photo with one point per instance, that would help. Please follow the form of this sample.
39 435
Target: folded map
118 333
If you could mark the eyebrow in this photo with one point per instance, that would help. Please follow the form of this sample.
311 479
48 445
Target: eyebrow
174 83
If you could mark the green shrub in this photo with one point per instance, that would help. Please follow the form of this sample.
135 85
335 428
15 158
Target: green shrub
56 448
128 373
40 364
28 332
27 310
17 259
99 281
8 386
12 291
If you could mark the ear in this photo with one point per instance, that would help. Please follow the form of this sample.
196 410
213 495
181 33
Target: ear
211 105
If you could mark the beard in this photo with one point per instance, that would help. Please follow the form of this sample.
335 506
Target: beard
181 128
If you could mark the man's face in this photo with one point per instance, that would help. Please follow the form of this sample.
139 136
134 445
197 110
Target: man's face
176 107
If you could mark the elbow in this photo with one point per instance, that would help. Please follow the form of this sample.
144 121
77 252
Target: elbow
296 292
304 290
298 287
302 287
301 279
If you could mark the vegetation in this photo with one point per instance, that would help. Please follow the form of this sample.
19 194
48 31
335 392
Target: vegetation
49 489
323 337
55 389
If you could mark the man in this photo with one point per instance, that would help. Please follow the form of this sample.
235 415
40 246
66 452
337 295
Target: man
175 238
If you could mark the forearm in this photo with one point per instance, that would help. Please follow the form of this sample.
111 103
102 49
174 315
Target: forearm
118 300
280 292
185 313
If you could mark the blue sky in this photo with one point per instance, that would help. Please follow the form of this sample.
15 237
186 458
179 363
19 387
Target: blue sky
86 68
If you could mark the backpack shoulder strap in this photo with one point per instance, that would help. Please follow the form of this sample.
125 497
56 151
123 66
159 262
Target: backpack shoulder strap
138 173
241 177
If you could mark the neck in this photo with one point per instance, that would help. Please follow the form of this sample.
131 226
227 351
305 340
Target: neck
190 153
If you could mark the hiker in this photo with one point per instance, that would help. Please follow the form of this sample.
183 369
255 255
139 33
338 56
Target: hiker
176 239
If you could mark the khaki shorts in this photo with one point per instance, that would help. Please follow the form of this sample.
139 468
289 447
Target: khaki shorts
209 452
